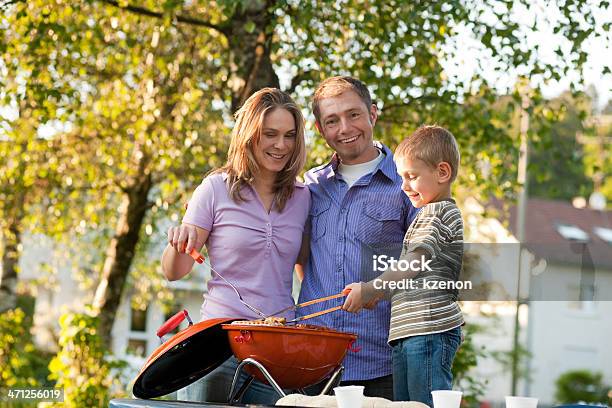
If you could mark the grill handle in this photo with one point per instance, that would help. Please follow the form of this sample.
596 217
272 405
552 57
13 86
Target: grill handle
173 322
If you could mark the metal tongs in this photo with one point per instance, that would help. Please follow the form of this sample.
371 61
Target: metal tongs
345 292
199 258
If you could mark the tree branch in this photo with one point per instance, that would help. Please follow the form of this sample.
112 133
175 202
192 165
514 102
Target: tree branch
298 79
179 17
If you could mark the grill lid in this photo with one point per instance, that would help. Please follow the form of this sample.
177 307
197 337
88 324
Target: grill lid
186 357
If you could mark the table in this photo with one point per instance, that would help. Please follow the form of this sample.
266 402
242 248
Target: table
140 403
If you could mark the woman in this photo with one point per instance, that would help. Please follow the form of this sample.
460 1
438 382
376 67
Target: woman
250 214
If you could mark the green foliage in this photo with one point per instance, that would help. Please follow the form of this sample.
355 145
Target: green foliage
467 358
470 354
83 366
21 365
506 359
597 157
557 162
582 386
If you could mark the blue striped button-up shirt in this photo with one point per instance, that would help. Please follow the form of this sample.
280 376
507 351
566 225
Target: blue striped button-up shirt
347 227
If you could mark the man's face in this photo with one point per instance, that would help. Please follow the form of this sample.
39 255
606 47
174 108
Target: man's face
346 124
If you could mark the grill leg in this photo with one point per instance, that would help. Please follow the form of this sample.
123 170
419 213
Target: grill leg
249 361
235 398
333 381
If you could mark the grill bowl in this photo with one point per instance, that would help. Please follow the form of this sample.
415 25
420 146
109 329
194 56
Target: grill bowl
295 356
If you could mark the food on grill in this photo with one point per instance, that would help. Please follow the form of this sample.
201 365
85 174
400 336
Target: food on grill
268 321
274 320
280 321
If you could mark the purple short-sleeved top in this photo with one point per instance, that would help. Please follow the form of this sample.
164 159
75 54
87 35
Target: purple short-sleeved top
253 249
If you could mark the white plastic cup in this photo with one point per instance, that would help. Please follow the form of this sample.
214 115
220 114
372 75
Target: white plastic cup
446 398
521 402
350 396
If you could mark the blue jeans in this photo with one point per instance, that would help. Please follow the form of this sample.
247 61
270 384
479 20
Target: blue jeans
215 387
422 364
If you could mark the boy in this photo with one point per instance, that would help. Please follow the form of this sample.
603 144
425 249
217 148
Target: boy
425 317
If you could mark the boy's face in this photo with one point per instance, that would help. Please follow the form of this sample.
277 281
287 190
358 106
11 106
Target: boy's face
347 126
422 183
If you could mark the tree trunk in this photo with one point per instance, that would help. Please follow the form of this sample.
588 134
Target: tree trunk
249 36
252 67
120 254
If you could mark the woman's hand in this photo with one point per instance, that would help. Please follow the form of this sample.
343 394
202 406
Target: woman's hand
184 238
181 240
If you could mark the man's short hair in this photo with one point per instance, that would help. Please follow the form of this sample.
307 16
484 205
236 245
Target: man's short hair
431 144
337 85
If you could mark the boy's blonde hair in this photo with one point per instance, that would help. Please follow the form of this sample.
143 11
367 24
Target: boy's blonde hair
431 144
337 85
242 166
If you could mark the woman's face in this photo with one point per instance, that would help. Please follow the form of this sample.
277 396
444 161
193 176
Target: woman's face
277 142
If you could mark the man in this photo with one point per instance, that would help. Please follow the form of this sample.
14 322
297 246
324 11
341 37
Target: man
358 210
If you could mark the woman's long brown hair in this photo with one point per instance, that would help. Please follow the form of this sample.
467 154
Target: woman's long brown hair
241 166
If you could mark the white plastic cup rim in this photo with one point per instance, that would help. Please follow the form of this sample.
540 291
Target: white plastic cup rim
349 389
349 396
446 398
521 402
448 392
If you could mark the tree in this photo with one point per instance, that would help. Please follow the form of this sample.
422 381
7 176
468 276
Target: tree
557 168
83 368
582 386
597 158
25 178
149 87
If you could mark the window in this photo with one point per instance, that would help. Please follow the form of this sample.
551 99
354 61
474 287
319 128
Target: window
136 347
604 233
572 232
137 334
138 320
582 297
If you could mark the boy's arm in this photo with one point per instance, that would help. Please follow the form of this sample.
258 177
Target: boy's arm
368 294
430 232
379 287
